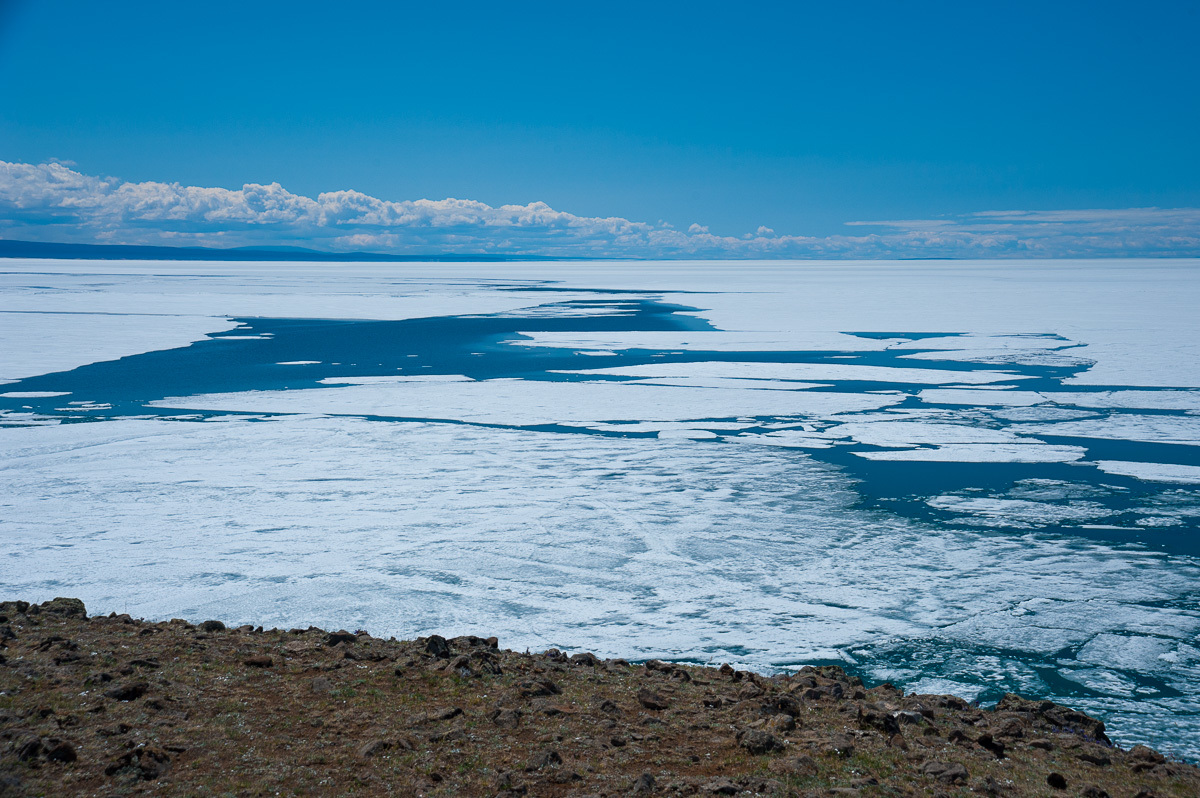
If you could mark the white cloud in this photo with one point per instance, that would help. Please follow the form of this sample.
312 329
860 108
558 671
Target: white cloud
54 202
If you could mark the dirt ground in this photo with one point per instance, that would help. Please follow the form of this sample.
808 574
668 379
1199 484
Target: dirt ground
113 706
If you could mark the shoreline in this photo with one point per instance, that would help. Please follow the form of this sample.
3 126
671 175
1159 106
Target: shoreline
112 705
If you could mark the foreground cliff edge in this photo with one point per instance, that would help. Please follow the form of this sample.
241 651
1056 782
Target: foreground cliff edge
116 706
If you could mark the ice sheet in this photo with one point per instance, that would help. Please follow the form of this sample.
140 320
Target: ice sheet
49 319
1130 399
1134 318
1033 513
1153 472
528 403
801 371
981 398
910 433
40 343
731 382
623 546
790 439
705 341
1127 427
983 453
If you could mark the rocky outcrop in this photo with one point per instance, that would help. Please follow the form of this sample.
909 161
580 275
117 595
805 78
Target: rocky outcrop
112 705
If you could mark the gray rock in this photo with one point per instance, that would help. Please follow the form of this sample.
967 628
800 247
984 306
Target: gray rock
69 607
144 762
840 746
588 659
340 636
532 688
544 760
652 700
506 718
60 751
948 772
757 741
128 691
1056 715
1093 758
373 748
437 646
991 744
644 785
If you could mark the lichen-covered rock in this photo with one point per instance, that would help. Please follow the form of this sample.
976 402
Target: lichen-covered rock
70 607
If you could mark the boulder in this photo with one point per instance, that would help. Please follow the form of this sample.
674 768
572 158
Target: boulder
145 763
68 607
128 691
1056 715
651 700
437 646
644 785
60 751
947 772
757 741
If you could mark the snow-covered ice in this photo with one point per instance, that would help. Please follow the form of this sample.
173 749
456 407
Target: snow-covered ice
1153 472
801 371
634 547
955 475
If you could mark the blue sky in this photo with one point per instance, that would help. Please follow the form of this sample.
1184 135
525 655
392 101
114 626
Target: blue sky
795 117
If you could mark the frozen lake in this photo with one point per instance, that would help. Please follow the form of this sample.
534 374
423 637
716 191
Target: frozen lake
966 477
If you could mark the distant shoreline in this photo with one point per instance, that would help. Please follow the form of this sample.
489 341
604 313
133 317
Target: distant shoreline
43 250
55 251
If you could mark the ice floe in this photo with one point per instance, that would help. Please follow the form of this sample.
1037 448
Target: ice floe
1152 472
800 371
983 453
513 402
34 343
1177 429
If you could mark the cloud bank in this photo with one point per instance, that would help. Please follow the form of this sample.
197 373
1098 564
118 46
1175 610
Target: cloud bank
53 202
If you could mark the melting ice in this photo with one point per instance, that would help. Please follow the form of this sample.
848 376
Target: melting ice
966 477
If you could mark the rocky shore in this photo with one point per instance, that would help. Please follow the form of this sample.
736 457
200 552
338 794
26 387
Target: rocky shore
111 706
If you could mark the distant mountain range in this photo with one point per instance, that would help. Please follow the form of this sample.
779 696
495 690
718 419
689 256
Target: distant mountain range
42 249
